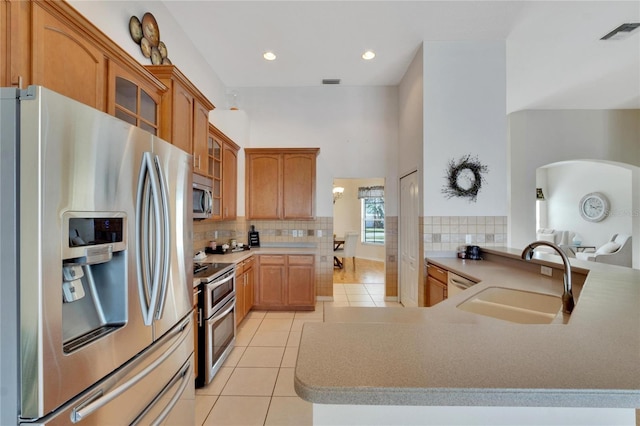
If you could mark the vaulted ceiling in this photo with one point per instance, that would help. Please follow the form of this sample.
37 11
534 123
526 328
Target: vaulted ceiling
555 58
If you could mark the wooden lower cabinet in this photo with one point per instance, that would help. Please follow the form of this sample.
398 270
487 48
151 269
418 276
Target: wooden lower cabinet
272 281
244 288
285 282
300 289
436 285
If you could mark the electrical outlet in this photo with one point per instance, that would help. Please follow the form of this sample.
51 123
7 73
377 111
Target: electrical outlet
319 233
468 239
294 233
545 270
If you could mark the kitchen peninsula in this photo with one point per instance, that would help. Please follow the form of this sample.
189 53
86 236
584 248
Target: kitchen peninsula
442 365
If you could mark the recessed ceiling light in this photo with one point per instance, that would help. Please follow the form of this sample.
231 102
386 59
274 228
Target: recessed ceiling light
368 55
269 56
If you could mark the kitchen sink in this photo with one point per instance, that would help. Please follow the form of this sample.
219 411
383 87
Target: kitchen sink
524 307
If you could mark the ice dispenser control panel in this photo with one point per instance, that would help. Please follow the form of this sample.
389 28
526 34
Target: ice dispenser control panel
92 237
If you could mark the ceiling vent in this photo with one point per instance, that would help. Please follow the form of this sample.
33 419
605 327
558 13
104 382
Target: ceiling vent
622 32
330 81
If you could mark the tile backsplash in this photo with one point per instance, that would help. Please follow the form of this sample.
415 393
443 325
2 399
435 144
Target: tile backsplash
317 233
449 232
439 233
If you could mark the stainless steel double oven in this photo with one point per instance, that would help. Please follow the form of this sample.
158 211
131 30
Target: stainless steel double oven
216 317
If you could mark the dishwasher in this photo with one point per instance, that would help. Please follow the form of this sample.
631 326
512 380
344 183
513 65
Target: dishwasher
457 284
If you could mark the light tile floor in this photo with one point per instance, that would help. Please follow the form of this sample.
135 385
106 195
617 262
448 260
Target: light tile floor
255 384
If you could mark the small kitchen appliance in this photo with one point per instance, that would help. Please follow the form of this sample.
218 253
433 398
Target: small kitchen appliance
473 253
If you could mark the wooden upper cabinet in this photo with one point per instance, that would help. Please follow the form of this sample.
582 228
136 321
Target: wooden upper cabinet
229 180
49 43
184 115
214 152
280 183
5 39
134 98
200 136
177 121
263 185
222 155
64 61
299 185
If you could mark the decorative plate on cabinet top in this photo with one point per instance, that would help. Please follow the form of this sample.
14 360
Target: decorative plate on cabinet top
166 61
163 49
156 57
145 47
135 29
150 29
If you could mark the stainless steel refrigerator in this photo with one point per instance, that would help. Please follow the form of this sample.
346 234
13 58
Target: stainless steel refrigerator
96 300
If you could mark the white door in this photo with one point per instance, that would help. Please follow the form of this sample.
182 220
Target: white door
409 239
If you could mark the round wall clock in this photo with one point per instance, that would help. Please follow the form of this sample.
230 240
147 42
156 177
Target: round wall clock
594 207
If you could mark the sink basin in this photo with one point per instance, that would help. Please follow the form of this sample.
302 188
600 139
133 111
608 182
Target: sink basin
524 307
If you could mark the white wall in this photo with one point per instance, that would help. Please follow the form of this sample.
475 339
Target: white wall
347 215
353 126
465 113
566 184
541 137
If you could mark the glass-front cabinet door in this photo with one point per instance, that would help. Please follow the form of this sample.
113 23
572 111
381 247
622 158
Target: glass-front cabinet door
133 101
135 106
215 172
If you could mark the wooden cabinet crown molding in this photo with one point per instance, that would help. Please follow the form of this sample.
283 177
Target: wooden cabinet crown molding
64 12
315 151
224 138
172 72
78 70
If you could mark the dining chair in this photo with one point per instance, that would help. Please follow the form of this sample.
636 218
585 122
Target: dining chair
349 248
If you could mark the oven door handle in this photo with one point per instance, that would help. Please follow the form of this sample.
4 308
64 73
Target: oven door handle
215 284
223 313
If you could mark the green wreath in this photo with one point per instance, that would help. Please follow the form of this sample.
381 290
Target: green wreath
464 178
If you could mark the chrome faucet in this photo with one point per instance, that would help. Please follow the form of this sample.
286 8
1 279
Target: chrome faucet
567 297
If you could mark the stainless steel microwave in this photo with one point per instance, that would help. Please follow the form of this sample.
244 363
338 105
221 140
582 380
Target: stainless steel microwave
202 197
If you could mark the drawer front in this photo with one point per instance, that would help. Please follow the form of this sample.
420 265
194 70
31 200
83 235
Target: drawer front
437 273
272 259
248 263
300 260
240 266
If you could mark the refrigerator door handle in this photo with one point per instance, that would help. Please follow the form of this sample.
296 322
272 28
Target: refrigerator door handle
87 407
182 376
166 240
147 178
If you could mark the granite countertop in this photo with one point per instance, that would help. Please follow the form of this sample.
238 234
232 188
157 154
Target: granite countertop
445 356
